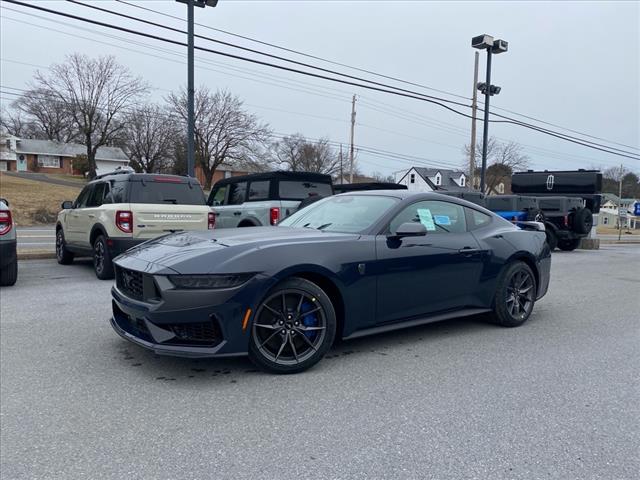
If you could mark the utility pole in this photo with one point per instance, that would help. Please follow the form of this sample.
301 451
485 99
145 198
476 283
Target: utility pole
341 174
474 109
485 127
191 148
353 127
620 204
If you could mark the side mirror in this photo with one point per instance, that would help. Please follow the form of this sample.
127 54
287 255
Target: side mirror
5 201
410 229
67 205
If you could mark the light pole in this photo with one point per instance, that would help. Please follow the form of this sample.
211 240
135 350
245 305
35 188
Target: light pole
191 150
486 42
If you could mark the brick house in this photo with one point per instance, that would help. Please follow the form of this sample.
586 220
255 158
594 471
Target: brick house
46 156
223 171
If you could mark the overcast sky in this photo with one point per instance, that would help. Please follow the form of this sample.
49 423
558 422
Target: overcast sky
575 64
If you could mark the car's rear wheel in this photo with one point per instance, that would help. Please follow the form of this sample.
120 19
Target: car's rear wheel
293 327
583 221
569 245
102 259
9 275
64 256
515 295
552 239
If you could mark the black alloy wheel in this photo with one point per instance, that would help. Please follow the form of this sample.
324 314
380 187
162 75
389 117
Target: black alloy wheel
515 295
293 327
102 259
63 256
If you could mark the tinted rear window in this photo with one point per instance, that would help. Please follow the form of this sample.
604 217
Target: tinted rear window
299 190
166 193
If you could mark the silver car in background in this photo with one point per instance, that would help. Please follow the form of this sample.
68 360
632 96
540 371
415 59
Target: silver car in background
8 255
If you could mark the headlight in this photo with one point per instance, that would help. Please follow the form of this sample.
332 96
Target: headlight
195 282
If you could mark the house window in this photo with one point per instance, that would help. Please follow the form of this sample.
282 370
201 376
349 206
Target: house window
462 181
438 180
413 178
501 188
48 161
605 220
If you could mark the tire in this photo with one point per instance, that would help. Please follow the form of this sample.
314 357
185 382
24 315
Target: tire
512 309
552 239
9 275
294 340
64 256
102 264
582 221
569 245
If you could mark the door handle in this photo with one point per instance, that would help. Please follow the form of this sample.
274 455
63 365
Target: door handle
468 251
91 215
237 213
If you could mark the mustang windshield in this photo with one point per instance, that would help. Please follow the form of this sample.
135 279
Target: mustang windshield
342 213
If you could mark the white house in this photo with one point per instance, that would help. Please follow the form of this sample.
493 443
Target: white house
421 179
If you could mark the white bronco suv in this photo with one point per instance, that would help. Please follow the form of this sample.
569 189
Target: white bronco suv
119 210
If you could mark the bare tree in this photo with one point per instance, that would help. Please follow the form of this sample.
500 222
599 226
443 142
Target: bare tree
502 160
95 92
14 123
297 154
46 117
149 138
380 177
224 132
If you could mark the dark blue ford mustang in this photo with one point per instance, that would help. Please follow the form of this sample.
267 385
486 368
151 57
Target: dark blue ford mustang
346 266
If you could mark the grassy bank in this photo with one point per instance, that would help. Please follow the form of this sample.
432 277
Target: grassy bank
34 202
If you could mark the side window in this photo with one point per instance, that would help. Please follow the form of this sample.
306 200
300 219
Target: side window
118 192
436 216
478 219
97 195
237 193
259 190
217 197
81 201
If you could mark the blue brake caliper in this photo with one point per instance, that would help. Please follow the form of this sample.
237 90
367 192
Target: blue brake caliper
309 320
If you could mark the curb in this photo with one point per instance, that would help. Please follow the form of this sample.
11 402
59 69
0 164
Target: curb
620 242
36 255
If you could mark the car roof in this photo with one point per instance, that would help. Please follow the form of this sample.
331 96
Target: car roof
281 175
148 177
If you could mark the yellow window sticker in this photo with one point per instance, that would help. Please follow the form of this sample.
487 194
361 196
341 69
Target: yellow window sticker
426 219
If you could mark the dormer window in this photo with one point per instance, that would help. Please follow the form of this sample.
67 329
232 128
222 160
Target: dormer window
462 180
412 178
438 179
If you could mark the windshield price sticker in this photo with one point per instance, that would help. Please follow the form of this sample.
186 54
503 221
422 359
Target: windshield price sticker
426 219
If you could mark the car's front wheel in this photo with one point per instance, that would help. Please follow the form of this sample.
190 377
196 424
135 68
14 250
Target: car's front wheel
102 259
64 256
515 295
293 327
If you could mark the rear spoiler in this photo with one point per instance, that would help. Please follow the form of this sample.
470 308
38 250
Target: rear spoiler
534 226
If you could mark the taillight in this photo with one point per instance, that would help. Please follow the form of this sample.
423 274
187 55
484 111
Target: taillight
274 215
124 221
5 222
566 220
212 220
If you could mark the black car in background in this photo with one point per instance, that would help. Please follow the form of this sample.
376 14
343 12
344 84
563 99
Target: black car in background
349 265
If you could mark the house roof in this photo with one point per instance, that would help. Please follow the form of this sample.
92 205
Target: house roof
48 147
449 178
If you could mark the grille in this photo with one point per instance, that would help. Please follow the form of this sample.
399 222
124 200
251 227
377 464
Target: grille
202 333
130 282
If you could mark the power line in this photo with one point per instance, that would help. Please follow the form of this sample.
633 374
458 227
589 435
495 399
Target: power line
369 87
373 73
297 52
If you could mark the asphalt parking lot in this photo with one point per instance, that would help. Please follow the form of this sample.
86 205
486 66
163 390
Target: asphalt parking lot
556 398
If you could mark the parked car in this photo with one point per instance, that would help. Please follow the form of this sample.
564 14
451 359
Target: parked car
122 209
349 265
515 208
567 221
264 198
8 255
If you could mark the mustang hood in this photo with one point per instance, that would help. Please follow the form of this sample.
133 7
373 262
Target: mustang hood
206 251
